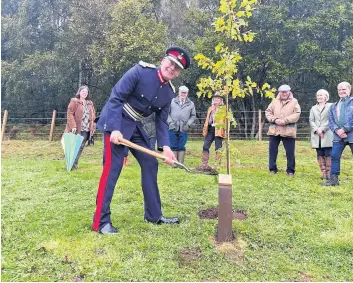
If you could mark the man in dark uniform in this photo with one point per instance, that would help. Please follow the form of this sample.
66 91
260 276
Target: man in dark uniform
142 90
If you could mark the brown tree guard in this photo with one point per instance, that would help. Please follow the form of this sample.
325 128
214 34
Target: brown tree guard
225 213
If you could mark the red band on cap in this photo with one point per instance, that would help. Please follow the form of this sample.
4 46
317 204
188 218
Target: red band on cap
179 56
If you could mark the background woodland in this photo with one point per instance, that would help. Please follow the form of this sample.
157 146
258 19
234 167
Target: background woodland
50 47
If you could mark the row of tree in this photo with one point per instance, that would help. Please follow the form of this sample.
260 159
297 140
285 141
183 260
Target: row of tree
50 47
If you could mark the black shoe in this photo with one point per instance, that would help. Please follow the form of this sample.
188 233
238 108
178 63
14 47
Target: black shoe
166 220
108 229
332 181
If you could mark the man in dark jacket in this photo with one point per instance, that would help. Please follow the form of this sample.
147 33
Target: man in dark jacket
142 90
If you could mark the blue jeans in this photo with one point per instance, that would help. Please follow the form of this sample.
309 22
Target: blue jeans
289 146
178 140
336 154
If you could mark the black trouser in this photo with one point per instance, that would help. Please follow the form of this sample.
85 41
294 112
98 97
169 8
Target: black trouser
85 136
324 151
289 146
210 137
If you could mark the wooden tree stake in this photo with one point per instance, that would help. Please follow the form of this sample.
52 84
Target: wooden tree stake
260 125
4 121
52 126
225 213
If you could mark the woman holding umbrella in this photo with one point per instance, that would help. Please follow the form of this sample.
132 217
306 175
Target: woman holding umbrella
80 118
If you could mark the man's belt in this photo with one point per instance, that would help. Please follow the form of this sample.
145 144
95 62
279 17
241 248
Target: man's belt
132 112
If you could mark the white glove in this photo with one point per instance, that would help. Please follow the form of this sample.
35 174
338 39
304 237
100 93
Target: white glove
73 130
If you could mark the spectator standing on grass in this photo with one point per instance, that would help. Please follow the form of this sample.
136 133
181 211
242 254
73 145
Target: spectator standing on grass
142 90
182 115
283 114
341 124
80 118
212 131
321 135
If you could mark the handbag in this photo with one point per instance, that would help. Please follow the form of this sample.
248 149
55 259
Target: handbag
90 141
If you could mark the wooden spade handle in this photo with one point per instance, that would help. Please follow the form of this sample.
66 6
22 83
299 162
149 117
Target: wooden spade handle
142 149
151 152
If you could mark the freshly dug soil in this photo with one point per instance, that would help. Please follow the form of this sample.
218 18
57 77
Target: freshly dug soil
208 171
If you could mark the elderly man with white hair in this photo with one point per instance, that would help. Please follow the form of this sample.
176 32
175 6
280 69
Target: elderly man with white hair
182 115
321 135
341 124
283 114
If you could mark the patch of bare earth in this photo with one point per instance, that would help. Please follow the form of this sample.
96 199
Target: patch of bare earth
78 278
99 252
212 213
304 277
188 256
233 251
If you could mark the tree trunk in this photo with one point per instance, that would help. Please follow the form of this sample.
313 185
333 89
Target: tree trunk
227 135
79 73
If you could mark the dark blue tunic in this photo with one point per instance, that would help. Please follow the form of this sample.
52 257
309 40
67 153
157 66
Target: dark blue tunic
137 94
143 90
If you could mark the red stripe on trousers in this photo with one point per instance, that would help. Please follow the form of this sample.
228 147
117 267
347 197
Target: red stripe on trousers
103 183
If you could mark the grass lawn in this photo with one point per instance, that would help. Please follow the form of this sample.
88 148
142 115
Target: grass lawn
296 230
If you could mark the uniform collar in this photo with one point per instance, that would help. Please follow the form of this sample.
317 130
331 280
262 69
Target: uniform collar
160 77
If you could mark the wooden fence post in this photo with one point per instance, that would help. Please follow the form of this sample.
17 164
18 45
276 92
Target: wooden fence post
4 121
260 125
225 213
52 126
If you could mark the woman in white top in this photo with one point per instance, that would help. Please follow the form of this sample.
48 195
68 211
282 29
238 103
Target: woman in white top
321 135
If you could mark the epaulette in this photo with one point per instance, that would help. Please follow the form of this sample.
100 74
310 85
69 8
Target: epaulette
146 65
172 86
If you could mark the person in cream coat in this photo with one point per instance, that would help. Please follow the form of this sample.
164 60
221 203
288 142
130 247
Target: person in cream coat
321 135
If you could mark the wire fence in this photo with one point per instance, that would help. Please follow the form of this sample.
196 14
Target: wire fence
251 125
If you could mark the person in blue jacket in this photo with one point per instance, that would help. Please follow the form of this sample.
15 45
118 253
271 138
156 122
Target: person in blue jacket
142 90
341 124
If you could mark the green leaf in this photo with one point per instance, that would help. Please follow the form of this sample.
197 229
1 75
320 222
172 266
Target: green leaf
218 47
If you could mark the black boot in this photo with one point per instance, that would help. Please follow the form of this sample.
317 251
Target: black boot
166 220
332 181
108 229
